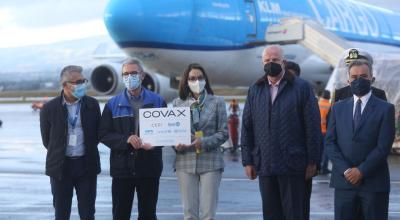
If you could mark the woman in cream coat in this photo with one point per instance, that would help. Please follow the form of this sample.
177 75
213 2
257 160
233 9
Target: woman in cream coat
199 166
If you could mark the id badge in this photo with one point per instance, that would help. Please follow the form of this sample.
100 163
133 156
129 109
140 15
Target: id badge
73 140
198 134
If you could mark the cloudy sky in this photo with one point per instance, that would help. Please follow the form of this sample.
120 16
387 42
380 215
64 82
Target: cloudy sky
27 22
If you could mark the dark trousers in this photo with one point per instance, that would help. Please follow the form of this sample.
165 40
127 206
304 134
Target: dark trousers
123 191
307 197
283 197
374 206
325 158
74 176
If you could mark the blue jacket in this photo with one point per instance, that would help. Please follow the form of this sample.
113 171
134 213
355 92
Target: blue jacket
116 125
366 148
283 138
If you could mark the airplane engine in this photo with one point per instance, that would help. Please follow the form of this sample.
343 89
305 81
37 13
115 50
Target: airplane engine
106 79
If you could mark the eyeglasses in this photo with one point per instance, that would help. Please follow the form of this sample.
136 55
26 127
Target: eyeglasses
78 82
194 78
130 73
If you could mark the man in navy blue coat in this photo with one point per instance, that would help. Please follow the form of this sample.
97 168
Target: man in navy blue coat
281 137
360 135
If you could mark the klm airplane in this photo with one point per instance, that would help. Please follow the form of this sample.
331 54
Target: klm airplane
227 36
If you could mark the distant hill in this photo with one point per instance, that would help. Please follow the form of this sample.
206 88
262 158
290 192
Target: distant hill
38 67
52 57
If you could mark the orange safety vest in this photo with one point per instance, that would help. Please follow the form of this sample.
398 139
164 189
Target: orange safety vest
324 107
234 106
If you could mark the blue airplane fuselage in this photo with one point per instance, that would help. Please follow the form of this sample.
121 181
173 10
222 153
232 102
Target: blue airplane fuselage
227 36
238 24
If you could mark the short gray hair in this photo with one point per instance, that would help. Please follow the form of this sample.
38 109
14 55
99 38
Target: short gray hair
66 72
276 46
131 61
360 63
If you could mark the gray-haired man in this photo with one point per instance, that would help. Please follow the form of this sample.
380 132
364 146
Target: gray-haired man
134 166
69 125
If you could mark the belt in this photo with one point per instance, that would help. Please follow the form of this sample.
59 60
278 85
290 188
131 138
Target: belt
74 158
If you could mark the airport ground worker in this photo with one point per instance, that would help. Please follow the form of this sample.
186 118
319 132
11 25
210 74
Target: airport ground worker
233 124
324 108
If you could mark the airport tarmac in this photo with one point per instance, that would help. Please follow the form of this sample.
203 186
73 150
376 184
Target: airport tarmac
25 190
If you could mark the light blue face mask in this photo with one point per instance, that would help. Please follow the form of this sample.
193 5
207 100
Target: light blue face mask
78 91
132 81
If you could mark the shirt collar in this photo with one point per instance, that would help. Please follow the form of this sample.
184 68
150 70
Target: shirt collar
64 101
134 97
364 99
277 83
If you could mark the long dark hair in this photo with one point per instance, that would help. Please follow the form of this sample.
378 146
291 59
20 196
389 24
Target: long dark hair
184 90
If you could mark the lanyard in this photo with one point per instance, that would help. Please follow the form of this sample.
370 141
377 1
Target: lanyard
72 121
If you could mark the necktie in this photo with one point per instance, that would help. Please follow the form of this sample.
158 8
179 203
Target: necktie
357 114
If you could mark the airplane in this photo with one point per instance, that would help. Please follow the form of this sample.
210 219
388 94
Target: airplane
227 36
31 71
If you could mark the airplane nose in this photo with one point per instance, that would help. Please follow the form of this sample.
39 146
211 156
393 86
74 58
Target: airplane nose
144 22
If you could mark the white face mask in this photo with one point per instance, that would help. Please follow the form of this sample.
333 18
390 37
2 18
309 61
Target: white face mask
197 86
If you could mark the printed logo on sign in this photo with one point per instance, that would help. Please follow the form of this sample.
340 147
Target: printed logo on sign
156 125
167 113
174 124
149 131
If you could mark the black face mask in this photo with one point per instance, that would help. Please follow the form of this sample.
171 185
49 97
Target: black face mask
272 69
360 86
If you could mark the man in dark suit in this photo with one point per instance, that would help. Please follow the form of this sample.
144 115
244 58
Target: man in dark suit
360 135
345 92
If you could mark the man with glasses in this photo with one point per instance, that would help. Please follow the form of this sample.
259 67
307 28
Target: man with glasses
134 165
69 125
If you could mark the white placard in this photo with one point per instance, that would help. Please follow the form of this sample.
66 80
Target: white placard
165 126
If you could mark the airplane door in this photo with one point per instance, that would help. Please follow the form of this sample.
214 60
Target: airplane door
251 19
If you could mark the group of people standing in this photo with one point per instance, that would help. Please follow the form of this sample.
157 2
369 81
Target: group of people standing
72 126
282 138
281 143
